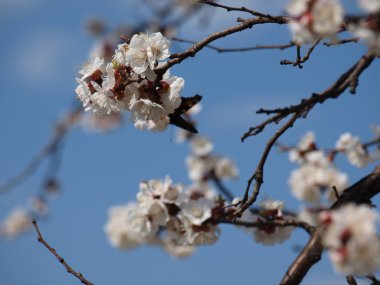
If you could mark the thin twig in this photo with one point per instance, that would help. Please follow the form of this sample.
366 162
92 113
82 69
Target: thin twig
277 223
223 50
351 280
373 279
60 259
341 42
349 79
239 9
190 52
258 175
300 60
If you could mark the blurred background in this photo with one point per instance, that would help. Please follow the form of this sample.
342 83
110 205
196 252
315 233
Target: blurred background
44 44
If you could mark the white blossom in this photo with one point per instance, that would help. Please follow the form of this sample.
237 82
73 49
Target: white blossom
314 19
84 94
98 123
164 191
145 50
225 168
201 189
201 146
119 56
129 226
306 143
179 251
368 31
171 95
198 167
356 154
89 68
371 6
104 100
198 211
16 223
309 215
352 241
316 176
204 235
271 210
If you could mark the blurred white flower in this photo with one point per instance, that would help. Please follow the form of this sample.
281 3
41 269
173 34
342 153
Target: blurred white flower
352 241
315 177
16 223
371 6
201 146
356 154
314 19
306 143
129 226
368 30
225 168
271 210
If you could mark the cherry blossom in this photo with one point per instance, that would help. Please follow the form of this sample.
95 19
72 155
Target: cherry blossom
314 19
351 239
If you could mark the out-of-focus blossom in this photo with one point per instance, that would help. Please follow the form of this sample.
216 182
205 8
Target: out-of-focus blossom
316 176
18 222
314 19
351 239
271 210
356 154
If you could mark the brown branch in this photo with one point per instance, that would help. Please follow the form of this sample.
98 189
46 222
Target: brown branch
223 50
278 223
351 280
258 175
247 24
359 193
300 60
341 42
239 9
373 279
60 259
349 79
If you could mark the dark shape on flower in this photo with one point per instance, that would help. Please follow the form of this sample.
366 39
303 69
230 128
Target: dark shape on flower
186 104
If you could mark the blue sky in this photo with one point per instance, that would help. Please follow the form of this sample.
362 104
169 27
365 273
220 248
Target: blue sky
43 46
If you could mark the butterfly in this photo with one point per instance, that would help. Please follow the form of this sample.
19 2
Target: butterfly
186 104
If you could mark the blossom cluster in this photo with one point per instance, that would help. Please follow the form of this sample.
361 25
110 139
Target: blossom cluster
317 181
357 153
187 215
264 233
179 219
316 175
351 239
315 19
130 83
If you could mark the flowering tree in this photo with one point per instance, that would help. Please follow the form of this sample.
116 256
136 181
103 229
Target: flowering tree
130 75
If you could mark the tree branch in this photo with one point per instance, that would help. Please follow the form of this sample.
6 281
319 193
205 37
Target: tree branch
246 24
349 79
258 175
60 259
300 60
223 50
278 223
